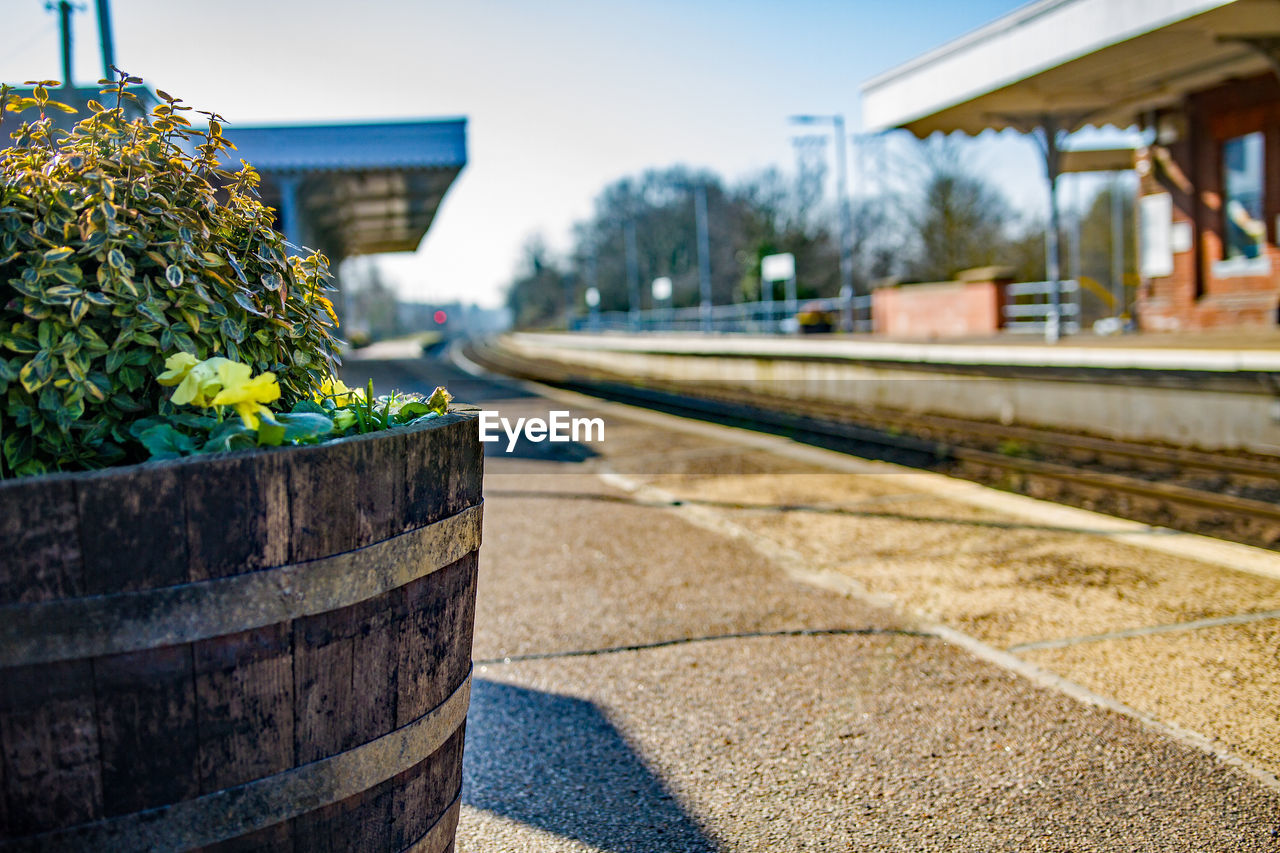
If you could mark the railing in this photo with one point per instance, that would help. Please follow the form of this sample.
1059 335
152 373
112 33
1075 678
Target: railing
1029 306
776 317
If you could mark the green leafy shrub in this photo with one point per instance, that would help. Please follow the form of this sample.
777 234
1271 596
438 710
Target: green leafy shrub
121 243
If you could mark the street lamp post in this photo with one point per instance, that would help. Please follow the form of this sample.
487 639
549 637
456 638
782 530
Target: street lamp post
846 218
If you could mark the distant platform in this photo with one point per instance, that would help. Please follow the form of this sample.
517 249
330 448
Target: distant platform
1253 351
1202 393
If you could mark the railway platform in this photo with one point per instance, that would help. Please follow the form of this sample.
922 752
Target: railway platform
1178 390
693 638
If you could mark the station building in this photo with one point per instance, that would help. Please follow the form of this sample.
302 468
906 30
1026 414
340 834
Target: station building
1201 78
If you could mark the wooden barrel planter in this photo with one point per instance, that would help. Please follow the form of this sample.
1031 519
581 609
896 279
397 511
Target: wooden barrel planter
258 651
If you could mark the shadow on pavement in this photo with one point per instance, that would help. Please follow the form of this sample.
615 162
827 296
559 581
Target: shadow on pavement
556 763
424 374
543 451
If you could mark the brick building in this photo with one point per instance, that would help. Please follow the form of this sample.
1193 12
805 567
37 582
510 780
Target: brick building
1201 78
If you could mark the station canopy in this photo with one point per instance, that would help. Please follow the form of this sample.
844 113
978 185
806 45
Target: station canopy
1085 62
352 189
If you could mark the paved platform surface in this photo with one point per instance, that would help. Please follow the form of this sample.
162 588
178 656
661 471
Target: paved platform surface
663 662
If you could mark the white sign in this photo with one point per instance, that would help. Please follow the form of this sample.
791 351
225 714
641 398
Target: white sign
593 297
1155 237
1180 237
778 267
661 289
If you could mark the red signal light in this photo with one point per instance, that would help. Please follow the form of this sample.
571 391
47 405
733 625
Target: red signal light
441 318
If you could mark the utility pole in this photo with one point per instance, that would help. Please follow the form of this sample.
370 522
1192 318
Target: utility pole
568 283
846 217
633 276
64 22
108 43
704 254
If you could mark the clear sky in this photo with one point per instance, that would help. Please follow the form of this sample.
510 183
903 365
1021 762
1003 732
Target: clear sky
562 96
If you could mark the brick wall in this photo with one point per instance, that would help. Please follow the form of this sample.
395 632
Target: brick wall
938 310
1200 293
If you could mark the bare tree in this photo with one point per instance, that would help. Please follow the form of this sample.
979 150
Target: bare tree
959 221
536 295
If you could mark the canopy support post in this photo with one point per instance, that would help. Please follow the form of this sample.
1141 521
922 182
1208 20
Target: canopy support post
1052 163
1050 129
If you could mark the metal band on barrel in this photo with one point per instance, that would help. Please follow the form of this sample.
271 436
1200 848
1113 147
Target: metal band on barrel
74 628
438 838
256 805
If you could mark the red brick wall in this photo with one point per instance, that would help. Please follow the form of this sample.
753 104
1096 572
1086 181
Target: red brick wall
941 310
1194 296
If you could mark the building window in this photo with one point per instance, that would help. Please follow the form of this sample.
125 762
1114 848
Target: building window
1246 231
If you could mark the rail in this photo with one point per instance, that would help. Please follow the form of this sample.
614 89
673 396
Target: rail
1138 474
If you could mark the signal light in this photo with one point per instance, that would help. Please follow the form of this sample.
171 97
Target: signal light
441 318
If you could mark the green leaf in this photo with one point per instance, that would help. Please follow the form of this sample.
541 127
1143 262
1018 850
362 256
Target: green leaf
26 288
18 448
37 372
58 254
61 294
151 314
231 435
413 409
232 330
270 433
245 302
308 407
68 273
235 265
97 386
115 259
79 307
173 274
305 426
165 442
19 344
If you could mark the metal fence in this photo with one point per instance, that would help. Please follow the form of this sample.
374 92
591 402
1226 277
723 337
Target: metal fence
776 317
1030 303
1026 312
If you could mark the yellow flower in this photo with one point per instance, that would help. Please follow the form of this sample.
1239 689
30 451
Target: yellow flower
198 381
246 395
335 389
440 399
220 382
176 368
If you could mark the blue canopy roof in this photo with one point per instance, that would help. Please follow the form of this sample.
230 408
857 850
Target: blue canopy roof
360 188
347 147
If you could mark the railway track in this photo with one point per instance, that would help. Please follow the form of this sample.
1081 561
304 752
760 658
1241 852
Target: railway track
1233 497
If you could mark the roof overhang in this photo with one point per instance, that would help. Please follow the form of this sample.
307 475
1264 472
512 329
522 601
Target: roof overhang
359 188
1087 62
